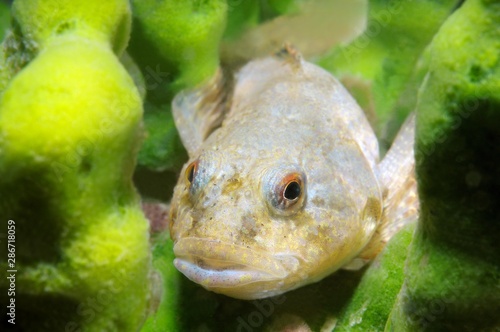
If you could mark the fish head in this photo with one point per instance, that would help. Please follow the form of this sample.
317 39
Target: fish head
251 226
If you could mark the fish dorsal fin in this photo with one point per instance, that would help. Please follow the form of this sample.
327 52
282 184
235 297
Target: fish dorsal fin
396 174
198 112
290 55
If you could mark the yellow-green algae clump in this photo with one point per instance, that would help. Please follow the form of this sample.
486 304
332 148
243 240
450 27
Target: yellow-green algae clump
69 132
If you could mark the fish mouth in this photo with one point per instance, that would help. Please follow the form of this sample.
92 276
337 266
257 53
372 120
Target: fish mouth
217 265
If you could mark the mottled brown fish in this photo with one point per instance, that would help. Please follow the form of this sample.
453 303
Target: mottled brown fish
284 184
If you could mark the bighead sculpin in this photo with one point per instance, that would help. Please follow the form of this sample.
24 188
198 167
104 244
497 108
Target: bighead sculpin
284 185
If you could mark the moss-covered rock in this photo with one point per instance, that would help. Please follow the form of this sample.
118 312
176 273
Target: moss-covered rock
453 266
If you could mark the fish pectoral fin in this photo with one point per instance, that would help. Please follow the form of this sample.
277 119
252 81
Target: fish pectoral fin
356 264
198 112
396 173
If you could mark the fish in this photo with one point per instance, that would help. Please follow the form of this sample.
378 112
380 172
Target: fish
284 183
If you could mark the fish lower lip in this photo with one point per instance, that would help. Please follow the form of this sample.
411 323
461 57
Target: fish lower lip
212 263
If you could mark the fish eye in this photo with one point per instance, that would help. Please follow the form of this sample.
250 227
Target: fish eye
285 190
198 173
292 191
191 171
289 190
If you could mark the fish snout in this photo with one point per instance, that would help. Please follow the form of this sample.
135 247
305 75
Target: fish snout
218 265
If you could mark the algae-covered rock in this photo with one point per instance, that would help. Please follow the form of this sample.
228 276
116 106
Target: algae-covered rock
453 267
69 133
381 65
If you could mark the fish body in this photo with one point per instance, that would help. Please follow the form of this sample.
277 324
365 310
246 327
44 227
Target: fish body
287 189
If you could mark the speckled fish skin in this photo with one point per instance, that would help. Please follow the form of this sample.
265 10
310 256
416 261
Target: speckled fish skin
234 231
